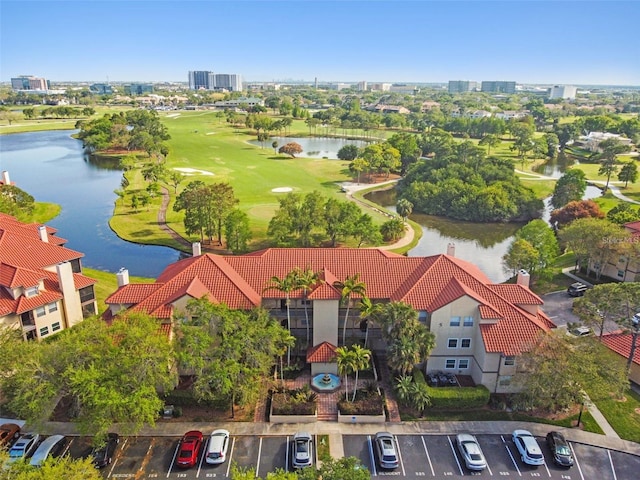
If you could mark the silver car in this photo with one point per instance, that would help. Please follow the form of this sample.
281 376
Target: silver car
386 449
528 447
471 451
302 450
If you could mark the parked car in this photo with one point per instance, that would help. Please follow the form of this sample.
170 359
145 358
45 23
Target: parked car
190 446
302 450
218 444
52 446
471 451
385 446
103 455
559 449
24 446
8 433
577 289
528 447
581 331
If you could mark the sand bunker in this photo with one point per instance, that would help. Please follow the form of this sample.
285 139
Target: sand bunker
173 115
192 171
282 190
210 133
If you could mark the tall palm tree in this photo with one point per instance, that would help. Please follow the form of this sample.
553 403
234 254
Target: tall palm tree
286 284
366 310
361 358
306 280
351 285
345 360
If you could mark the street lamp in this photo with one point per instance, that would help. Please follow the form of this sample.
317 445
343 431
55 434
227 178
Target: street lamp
635 326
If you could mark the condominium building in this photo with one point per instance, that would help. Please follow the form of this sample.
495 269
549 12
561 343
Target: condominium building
206 80
498 86
42 288
460 86
566 92
28 82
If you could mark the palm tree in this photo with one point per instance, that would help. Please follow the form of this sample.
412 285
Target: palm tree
345 360
403 388
361 358
306 280
351 285
420 397
286 284
366 309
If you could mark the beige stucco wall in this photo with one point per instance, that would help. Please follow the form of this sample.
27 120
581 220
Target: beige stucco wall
318 368
71 302
325 321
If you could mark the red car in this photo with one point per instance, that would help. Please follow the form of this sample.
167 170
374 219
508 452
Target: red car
190 446
8 433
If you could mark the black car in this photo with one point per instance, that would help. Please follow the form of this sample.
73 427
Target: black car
103 455
577 289
559 449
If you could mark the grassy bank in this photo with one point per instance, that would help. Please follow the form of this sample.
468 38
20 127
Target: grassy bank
107 284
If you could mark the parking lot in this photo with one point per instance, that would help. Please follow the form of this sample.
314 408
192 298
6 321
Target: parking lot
432 456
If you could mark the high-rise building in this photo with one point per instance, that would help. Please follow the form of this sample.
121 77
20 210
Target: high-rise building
201 80
228 81
138 88
206 80
460 86
498 87
28 82
567 92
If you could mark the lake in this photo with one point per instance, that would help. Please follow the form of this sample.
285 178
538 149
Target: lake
313 147
52 167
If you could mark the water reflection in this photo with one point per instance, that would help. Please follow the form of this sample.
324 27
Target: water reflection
556 167
313 147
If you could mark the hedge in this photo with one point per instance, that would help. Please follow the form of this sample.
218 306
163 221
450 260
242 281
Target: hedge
459 397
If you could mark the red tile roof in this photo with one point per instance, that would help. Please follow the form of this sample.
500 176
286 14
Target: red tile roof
621 344
322 353
426 283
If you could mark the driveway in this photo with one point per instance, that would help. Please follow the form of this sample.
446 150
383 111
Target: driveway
558 306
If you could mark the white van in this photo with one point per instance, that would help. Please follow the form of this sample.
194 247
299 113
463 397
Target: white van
51 447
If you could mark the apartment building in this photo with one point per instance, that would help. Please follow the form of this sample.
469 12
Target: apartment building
42 288
498 86
461 86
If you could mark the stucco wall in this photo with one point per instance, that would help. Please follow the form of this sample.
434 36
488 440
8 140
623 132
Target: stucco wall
325 322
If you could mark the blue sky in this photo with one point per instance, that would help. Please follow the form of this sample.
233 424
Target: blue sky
571 42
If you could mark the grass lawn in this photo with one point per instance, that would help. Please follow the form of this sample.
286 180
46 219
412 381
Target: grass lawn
623 416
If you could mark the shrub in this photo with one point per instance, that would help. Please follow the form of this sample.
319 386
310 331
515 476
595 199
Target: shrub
300 401
366 403
459 397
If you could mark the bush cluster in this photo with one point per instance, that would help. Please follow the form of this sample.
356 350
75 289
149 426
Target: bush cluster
458 397
367 402
300 401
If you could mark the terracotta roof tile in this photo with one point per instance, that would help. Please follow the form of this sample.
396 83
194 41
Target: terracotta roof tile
322 353
518 294
621 344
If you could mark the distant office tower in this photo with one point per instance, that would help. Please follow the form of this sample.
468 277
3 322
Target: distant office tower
101 88
228 81
459 86
563 91
201 80
138 88
28 82
498 87
362 86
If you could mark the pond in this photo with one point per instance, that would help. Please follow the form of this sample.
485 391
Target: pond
52 167
313 147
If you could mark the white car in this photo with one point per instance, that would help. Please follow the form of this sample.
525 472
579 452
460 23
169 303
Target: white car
471 452
217 448
26 443
302 450
528 447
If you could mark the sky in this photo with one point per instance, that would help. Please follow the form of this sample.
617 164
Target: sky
420 41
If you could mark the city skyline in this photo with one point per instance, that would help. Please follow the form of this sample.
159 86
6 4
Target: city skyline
530 42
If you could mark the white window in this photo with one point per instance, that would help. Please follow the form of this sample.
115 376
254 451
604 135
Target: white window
454 322
44 331
452 343
511 360
463 364
422 316
450 363
40 312
55 327
31 291
53 307
465 343
505 381
468 321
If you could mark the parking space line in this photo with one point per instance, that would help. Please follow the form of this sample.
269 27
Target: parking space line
395 439
453 450
204 454
373 460
575 458
233 444
612 467
259 453
173 459
113 465
511 456
66 450
428 456
286 455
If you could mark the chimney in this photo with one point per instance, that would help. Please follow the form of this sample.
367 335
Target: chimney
523 278
71 305
5 178
451 249
196 249
123 277
44 236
